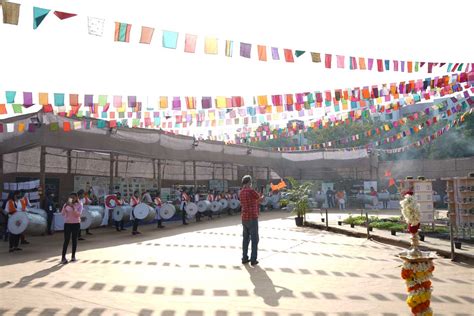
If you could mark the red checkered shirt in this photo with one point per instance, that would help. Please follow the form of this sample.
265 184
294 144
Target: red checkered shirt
249 203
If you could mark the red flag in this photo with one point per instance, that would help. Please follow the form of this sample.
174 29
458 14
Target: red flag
391 182
388 173
64 15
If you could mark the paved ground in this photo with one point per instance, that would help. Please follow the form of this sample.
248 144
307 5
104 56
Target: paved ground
196 270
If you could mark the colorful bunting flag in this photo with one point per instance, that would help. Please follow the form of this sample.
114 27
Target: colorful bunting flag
299 53
210 45
95 26
245 50
122 32
10 96
64 15
327 60
275 53
262 52
146 35
11 12
190 43
315 57
340 61
288 55
38 16
229 48
170 39
59 99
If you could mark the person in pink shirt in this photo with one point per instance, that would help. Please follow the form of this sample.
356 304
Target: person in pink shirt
71 211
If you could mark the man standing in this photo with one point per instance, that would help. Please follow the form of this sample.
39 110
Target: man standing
50 208
249 200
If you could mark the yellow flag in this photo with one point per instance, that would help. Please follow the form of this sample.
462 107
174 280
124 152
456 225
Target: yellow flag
210 45
221 102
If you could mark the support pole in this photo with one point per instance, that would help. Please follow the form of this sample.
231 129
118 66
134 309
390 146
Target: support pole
451 240
327 220
111 174
160 175
368 224
116 165
268 175
154 169
194 176
184 172
69 162
223 178
43 174
1 172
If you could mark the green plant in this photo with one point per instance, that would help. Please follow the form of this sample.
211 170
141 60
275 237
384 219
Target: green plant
298 193
284 202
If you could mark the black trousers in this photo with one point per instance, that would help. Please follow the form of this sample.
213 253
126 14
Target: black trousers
183 214
119 225
14 240
71 230
49 221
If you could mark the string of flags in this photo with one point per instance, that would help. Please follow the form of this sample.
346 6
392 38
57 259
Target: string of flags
264 133
460 106
213 46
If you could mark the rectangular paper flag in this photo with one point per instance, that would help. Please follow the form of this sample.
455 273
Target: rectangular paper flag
275 54
262 52
210 45
170 39
11 12
289 55
95 26
327 60
147 35
316 57
229 47
122 32
362 63
340 61
245 50
190 43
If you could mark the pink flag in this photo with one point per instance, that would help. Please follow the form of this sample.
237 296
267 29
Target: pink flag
190 43
327 60
340 61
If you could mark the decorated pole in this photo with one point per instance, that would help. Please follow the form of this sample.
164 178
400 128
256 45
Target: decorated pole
418 265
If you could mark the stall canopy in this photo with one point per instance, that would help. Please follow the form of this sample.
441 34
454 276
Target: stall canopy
146 145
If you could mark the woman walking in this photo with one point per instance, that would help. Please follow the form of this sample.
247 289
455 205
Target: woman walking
72 224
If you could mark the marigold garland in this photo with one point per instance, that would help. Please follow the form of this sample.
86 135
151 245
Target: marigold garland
417 278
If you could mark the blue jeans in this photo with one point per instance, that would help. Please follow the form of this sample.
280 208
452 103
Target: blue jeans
250 232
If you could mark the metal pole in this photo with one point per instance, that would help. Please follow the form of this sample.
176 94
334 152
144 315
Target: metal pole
194 176
162 174
69 162
1 172
451 240
184 172
116 165
223 178
367 223
111 174
43 173
327 219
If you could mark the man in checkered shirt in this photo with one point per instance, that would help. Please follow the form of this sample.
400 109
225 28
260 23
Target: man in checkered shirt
249 202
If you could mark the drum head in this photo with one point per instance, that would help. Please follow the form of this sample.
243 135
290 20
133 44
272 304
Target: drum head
216 206
38 211
111 201
118 214
167 211
264 201
224 203
17 223
203 206
141 211
234 204
191 209
275 199
86 219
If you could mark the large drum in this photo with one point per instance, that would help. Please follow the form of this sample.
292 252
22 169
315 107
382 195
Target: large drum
38 211
144 212
204 206
26 223
96 208
265 201
167 211
384 196
275 198
191 209
224 204
234 204
216 206
122 213
90 219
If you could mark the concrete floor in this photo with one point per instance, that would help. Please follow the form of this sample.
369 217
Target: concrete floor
195 270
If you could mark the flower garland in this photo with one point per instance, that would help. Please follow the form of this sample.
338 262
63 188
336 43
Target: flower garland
417 278
411 212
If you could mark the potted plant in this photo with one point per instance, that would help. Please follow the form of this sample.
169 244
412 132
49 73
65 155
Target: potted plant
298 194
457 244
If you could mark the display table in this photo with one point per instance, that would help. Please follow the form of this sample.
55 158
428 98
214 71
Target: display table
58 222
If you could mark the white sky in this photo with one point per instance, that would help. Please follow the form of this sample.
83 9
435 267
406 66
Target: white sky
60 56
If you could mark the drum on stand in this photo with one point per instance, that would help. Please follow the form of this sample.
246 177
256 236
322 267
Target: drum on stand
224 204
216 206
90 219
26 223
37 211
144 212
96 208
122 213
275 200
234 204
191 209
204 206
167 211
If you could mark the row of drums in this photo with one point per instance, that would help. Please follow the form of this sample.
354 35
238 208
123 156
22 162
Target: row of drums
34 220
273 200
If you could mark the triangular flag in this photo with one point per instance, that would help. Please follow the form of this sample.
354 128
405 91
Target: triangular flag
64 15
38 16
